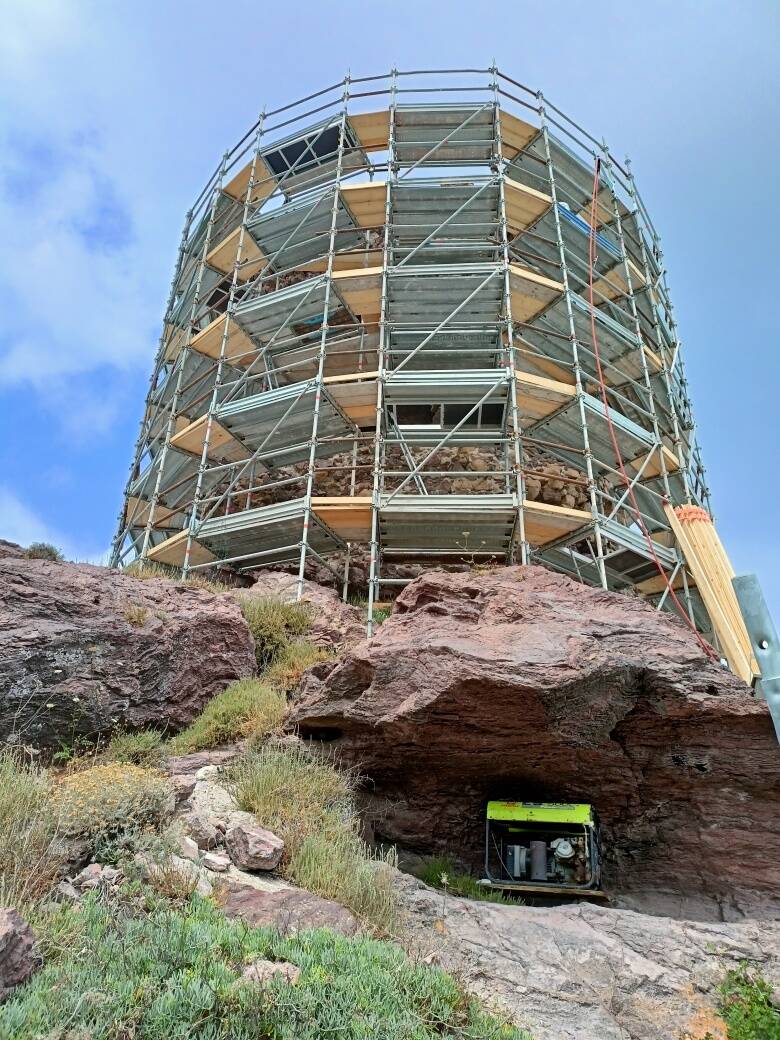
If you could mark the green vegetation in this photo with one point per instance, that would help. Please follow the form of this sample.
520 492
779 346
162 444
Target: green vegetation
136 614
441 872
290 664
157 974
145 748
748 1006
247 708
28 857
108 800
146 570
255 708
274 624
310 805
43 551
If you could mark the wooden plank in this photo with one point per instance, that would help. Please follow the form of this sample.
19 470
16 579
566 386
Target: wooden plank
539 396
653 468
656 585
137 513
352 260
531 292
366 202
175 337
209 341
524 205
350 518
172 551
712 572
223 446
515 134
356 396
265 182
361 291
615 284
544 522
223 256
372 129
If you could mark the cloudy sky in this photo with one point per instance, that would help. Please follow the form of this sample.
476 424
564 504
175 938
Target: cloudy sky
113 114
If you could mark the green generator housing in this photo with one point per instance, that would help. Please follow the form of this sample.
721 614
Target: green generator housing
543 847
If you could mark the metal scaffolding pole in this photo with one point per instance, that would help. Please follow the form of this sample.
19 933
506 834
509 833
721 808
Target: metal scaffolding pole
182 360
323 346
215 395
382 360
580 393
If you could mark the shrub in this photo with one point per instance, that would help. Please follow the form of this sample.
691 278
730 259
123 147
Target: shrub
112 799
273 624
247 708
175 974
441 872
748 1006
291 662
310 805
28 858
145 748
43 551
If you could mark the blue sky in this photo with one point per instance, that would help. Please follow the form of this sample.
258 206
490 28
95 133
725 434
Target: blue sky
113 115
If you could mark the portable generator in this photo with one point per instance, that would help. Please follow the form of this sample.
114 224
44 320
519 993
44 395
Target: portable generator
543 847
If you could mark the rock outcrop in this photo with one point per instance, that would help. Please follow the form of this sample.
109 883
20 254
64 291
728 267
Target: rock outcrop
586 972
336 625
85 649
17 956
521 683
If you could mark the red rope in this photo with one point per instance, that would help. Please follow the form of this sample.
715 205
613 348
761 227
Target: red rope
612 436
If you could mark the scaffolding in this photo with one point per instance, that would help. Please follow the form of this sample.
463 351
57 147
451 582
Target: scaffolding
380 341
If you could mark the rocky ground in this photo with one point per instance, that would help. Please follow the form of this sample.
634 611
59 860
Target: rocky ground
575 972
505 682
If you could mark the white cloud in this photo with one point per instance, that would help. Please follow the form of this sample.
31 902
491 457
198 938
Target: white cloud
20 524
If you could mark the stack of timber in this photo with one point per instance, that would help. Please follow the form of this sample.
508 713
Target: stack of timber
712 571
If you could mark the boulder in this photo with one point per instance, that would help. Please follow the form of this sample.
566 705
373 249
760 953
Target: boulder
250 846
85 649
335 625
287 909
216 861
17 957
585 972
521 683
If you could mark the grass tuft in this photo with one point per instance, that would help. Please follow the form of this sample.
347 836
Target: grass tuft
169 973
310 805
136 614
28 829
248 708
43 551
148 570
145 748
274 624
441 872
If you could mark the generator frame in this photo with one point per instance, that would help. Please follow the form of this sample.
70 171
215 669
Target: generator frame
529 818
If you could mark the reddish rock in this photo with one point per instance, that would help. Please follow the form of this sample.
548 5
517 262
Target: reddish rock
335 625
250 846
519 682
17 957
10 550
84 649
287 909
